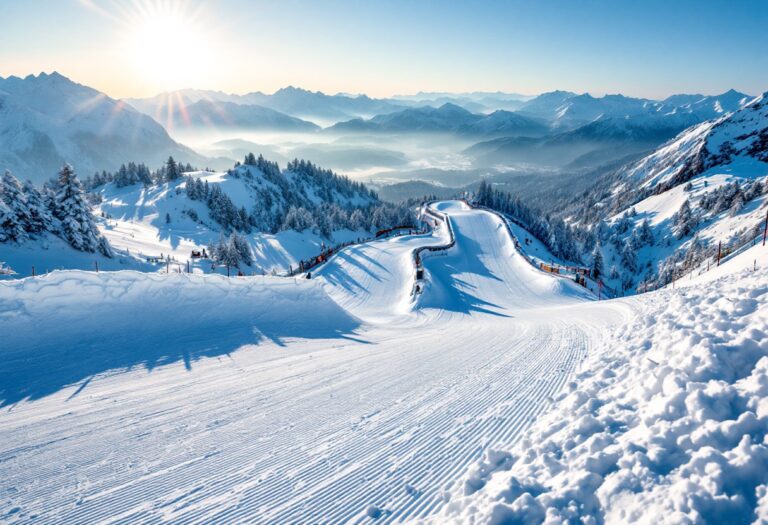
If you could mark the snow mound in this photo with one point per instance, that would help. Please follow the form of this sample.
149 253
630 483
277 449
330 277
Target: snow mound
68 326
668 423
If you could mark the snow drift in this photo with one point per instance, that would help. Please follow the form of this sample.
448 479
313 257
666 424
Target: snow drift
667 423
71 326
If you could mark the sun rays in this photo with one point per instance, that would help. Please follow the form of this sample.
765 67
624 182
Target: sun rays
166 43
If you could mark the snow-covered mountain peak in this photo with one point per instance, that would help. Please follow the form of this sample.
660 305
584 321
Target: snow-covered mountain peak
47 119
741 134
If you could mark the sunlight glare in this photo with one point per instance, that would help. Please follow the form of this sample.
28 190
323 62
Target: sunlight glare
168 46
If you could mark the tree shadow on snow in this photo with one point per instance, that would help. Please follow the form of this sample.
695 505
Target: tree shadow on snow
42 355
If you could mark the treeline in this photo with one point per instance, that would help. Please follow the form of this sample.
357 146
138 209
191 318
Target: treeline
302 197
133 173
58 208
561 239
594 207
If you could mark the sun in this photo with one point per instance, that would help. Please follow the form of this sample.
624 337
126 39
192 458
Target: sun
168 45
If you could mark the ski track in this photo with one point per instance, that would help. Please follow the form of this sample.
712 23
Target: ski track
314 431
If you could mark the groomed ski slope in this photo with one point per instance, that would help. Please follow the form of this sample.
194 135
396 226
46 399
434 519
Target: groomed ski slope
198 399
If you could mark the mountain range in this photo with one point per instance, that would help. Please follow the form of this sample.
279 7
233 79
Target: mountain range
566 110
219 114
702 193
47 120
588 131
448 118
296 102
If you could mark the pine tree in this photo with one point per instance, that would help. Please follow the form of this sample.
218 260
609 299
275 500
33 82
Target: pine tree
39 215
172 171
738 204
684 220
74 215
596 268
14 198
10 228
628 257
646 235
240 246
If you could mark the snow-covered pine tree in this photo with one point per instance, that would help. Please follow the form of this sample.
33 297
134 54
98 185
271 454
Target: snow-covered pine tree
239 244
74 214
738 204
14 198
225 252
172 171
684 221
646 235
628 257
39 215
596 268
10 228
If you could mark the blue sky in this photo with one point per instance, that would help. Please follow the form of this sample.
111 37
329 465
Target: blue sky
649 48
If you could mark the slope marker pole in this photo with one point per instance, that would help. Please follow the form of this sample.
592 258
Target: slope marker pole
765 229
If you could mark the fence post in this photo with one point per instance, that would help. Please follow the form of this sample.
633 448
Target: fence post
96 263
33 271
765 229
188 266
719 246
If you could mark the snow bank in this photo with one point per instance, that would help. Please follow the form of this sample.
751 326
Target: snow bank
69 326
666 424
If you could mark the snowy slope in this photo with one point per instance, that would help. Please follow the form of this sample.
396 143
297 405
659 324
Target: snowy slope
720 168
743 134
666 422
506 279
136 218
47 120
201 399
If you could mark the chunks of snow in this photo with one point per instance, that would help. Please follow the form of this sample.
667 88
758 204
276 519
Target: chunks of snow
667 423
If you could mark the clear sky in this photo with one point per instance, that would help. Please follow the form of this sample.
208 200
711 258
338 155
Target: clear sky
141 47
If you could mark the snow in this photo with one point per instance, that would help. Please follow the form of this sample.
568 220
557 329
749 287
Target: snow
665 423
47 119
719 152
146 397
197 398
136 225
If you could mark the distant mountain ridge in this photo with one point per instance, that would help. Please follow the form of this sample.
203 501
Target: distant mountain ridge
568 110
294 102
47 120
590 131
207 113
448 118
